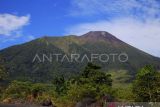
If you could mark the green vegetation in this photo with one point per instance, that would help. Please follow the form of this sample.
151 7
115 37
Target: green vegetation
147 85
18 59
3 73
23 92
122 85
3 77
90 83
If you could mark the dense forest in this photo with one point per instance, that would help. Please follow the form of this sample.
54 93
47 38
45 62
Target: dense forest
91 86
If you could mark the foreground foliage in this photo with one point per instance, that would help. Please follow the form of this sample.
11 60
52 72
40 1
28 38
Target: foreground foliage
91 83
147 85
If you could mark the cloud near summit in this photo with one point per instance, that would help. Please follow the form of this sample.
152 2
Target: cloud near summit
135 22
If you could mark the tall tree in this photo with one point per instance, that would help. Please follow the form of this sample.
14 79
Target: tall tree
146 87
93 73
61 85
92 83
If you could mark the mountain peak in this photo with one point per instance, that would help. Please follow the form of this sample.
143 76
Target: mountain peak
102 33
99 35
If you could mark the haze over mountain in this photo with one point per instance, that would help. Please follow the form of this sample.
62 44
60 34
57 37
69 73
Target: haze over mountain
18 59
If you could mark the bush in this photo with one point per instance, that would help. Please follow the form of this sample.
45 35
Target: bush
22 90
18 89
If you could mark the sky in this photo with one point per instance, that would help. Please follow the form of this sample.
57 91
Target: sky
136 22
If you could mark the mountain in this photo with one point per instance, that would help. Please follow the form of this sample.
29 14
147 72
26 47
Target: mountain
43 59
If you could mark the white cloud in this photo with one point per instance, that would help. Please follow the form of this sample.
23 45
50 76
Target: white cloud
144 35
10 24
136 22
115 7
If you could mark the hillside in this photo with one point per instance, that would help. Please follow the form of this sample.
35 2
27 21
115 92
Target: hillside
21 63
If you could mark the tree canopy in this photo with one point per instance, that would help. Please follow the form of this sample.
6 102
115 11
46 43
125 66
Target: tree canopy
146 87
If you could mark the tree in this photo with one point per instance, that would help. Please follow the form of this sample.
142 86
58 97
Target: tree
92 83
61 85
93 74
146 87
90 70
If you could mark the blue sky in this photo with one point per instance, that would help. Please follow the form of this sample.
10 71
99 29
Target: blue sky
136 22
